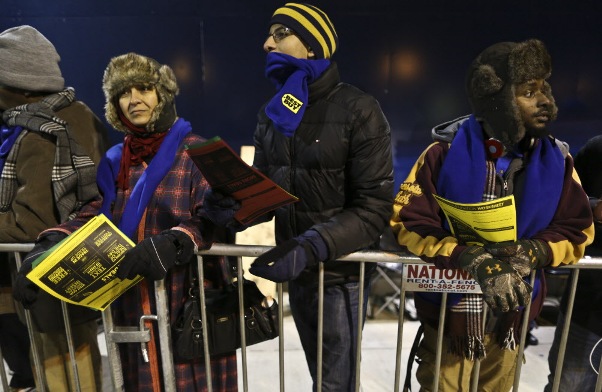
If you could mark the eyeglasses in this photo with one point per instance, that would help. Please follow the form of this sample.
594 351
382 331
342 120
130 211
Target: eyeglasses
281 33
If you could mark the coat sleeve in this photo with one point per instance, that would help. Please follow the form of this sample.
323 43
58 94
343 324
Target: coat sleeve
369 179
417 219
572 227
33 207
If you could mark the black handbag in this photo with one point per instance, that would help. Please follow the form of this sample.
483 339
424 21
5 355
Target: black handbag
223 325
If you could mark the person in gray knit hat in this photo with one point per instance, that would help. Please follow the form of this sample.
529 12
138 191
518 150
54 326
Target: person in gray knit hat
504 151
154 193
36 67
50 145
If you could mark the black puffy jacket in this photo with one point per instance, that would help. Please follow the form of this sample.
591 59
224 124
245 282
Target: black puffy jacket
338 163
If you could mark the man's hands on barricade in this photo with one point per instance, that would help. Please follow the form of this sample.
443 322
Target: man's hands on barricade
24 290
522 255
503 289
286 261
155 255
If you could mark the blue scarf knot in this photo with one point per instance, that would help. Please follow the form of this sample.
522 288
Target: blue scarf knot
291 76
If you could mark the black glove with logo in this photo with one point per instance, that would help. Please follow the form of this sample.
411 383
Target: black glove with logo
155 255
24 290
503 289
522 255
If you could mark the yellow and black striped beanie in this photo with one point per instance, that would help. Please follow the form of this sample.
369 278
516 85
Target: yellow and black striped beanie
311 24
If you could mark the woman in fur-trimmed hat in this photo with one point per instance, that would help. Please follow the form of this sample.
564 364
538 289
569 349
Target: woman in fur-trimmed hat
153 192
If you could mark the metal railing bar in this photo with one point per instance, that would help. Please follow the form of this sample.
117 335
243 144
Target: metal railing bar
70 346
122 334
320 327
400 322
565 331
523 338
360 327
163 324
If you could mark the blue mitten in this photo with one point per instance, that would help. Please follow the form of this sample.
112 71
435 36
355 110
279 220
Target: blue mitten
286 261
24 290
155 255
220 209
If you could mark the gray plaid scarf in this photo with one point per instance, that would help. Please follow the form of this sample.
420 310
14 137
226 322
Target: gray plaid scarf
73 172
466 336
471 305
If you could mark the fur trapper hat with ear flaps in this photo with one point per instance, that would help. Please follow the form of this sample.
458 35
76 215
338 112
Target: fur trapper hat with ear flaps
133 69
491 82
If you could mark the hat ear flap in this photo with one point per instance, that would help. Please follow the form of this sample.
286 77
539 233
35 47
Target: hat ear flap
484 81
167 79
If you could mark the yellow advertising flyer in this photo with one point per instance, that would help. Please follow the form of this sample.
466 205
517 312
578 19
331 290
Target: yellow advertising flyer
82 268
481 223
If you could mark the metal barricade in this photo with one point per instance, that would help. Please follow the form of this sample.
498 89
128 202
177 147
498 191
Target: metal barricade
116 335
17 250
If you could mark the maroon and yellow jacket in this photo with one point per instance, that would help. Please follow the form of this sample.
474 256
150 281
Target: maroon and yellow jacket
418 221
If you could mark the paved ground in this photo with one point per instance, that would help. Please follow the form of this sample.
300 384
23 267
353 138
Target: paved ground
378 359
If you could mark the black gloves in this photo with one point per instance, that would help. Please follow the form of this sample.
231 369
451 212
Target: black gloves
24 290
503 289
153 256
220 210
287 260
522 255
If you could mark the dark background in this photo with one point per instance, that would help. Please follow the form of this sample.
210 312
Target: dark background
411 55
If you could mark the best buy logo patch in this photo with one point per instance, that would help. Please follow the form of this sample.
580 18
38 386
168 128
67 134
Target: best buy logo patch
291 103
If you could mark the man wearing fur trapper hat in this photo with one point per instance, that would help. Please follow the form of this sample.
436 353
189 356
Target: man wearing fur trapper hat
329 144
502 149
153 192
51 144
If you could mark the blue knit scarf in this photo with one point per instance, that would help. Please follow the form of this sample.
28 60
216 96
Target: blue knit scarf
8 136
462 177
291 76
463 174
145 187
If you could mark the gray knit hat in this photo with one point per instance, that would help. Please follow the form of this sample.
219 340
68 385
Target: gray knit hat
28 61
133 69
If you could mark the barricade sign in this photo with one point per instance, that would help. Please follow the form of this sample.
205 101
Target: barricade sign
427 277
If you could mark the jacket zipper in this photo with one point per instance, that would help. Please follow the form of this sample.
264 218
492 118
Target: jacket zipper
291 179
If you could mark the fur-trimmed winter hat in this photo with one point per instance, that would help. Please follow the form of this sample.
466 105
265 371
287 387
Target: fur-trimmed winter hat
491 82
133 69
28 61
311 24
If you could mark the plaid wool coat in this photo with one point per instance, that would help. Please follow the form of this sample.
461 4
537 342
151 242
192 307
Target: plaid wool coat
177 201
